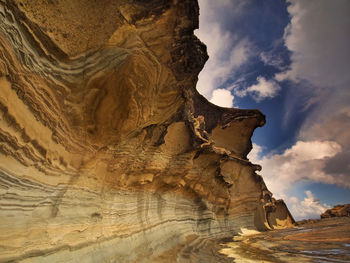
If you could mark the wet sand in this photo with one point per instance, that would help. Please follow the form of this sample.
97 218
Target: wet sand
327 240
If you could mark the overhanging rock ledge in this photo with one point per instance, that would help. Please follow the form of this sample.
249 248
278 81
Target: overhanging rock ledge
107 151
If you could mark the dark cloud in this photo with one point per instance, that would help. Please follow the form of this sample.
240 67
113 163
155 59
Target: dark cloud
339 165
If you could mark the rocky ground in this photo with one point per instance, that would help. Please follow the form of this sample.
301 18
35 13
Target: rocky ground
326 240
337 211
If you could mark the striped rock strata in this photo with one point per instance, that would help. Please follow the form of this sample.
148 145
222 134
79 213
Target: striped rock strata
107 151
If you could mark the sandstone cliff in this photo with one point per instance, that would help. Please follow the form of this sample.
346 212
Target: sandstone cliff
107 152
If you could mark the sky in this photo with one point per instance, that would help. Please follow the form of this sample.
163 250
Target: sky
291 60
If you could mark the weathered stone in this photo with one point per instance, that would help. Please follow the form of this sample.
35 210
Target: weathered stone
337 211
107 152
315 241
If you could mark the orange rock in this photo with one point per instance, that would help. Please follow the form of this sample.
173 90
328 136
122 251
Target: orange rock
108 152
337 211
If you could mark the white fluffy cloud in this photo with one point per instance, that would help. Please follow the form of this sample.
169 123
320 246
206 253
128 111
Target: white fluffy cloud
303 162
227 51
261 90
222 97
309 207
254 154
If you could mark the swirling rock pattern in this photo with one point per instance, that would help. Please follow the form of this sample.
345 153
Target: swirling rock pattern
107 151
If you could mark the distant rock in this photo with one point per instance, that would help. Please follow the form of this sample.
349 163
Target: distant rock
337 211
306 221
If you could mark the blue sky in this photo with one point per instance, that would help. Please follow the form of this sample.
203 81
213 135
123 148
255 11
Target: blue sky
291 60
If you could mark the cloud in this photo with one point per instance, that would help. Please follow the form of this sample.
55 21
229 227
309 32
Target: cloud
272 59
227 51
318 36
303 162
262 90
317 83
318 39
254 154
222 97
329 123
332 124
309 207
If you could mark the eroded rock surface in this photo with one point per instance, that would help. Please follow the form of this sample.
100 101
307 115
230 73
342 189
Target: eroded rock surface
326 240
337 211
107 151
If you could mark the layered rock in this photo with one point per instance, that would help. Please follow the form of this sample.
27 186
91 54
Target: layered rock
337 211
107 152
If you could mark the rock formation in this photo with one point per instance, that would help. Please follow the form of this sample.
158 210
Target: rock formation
314 242
107 152
337 211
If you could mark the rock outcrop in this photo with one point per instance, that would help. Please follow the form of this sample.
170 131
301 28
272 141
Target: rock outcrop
337 211
107 152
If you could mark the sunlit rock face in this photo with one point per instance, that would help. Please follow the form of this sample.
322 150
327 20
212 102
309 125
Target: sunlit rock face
337 211
107 151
